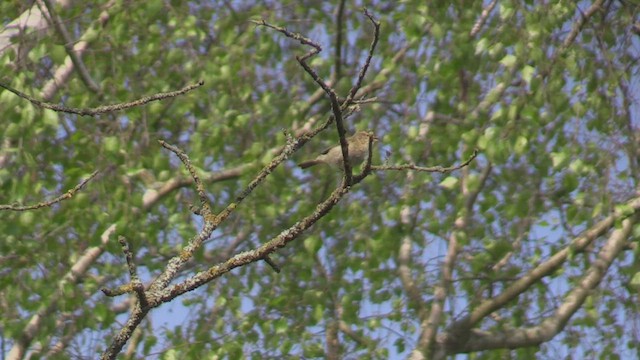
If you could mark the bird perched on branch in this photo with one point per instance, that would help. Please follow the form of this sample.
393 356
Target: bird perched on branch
358 150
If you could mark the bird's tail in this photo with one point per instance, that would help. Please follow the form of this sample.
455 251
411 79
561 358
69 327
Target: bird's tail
308 163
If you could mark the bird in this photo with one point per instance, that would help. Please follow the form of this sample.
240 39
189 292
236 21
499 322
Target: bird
358 151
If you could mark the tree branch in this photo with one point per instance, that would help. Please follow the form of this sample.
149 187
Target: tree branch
75 274
458 332
66 42
102 109
68 195
438 169
483 18
554 324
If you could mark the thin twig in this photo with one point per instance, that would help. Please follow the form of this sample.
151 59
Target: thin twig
102 109
438 169
365 67
367 165
339 33
303 40
69 194
271 263
204 203
579 24
138 288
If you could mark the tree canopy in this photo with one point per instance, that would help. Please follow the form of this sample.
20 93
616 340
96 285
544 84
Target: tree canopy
152 205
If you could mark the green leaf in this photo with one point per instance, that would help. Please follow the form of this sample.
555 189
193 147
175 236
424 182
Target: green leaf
449 183
521 145
527 73
559 159
635 281
508 61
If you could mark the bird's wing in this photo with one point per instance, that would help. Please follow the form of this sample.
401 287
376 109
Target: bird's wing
325 151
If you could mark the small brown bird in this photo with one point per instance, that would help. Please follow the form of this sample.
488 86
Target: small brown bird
358 150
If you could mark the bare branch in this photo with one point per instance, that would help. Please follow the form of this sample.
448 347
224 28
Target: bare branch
483 18
137 315
578 25
365 66
337 67
66 39
213 221
102 109
69 194
438 169
63 72
135 285
204 203
159 291
241 259
573 34
271 263
335 105
336 108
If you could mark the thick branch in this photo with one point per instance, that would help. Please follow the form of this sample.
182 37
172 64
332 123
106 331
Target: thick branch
483 18
462 326
66 40
74 275
269 247
553 325
431 324
63 72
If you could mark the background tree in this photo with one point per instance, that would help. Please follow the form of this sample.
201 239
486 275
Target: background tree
530 251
